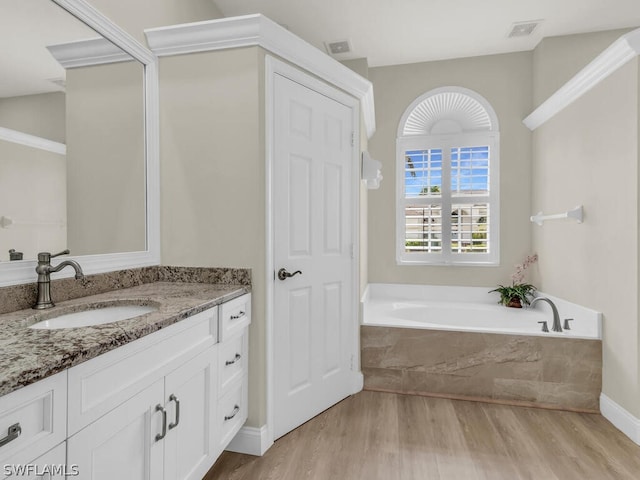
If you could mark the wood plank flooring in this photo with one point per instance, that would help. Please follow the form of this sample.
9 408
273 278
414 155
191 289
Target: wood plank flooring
388 436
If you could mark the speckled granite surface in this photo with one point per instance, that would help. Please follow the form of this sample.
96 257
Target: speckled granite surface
29 355
19 297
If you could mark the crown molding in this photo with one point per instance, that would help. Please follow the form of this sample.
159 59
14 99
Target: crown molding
87 13
258 30
28 140
84 53
610 60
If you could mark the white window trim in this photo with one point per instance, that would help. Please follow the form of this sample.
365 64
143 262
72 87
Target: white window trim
445 142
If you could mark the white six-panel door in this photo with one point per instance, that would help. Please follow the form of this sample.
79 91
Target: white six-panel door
312 222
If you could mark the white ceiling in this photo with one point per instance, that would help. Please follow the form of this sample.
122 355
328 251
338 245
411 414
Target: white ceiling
389 32
26 27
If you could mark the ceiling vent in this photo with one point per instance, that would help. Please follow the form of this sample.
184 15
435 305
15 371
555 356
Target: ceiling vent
523 29
339 47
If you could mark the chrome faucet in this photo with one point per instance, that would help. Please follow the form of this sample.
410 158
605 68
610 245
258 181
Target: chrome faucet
44 271
556 317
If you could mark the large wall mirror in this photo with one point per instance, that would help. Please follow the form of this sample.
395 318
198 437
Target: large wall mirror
78 140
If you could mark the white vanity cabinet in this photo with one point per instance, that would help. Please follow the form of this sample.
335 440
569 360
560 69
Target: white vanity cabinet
162 407
164 431
50 466
190 444
233 357
119 444
33 420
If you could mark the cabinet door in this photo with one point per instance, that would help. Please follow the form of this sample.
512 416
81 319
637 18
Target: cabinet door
122 444
190 397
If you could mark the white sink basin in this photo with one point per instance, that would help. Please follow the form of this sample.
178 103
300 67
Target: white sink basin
94 316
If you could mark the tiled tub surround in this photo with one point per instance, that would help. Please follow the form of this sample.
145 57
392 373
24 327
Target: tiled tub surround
29 355
525 370
553 370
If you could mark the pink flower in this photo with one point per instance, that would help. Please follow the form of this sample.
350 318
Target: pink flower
521 268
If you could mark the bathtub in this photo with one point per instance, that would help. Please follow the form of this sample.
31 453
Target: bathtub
457 342
470 309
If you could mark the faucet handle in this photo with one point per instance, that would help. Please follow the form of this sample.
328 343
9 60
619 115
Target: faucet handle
544 326
566 323
45 257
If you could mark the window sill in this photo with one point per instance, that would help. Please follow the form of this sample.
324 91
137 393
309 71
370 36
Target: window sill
408 263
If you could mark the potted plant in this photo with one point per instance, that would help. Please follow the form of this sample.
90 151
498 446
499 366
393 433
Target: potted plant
518 293
515 295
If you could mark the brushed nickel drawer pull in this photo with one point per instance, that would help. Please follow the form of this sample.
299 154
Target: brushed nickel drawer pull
235 359
13 432
173 398
239 315
160 436
236 409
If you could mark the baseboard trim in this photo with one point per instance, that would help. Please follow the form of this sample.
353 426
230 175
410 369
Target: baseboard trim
358 382
251 441
620 418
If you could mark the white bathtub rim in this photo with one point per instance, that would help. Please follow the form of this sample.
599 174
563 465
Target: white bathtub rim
484 330
376 295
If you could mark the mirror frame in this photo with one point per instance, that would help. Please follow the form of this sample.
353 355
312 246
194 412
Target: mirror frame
20 272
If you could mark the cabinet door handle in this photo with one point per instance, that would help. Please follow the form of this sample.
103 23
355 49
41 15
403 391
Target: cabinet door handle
236 409
160 436
235 359
13 432
173 398
240 314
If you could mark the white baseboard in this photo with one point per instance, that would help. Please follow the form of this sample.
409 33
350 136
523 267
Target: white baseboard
358 382
251 441
621 419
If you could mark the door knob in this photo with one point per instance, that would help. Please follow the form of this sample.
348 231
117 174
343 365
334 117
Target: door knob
283 274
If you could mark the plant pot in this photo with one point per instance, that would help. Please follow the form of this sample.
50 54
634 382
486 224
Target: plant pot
514 303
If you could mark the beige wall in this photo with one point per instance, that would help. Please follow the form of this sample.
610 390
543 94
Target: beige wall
588 154
557 59
105 159
41 115
135 16
505 81
213 191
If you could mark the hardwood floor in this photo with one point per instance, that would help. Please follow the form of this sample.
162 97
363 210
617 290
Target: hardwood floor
375 435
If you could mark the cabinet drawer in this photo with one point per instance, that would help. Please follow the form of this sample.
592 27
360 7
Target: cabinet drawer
50 466
98 386
235 315
232 413
36 416
232 361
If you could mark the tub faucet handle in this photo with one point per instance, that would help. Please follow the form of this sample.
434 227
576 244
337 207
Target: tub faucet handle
566 323
544 326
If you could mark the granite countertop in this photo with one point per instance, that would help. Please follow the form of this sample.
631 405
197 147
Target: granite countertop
28 355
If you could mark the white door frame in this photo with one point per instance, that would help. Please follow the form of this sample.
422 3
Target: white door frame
276 67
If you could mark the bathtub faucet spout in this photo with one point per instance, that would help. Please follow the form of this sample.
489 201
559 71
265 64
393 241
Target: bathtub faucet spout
556 317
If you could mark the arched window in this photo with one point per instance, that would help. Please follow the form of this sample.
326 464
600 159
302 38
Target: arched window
447 175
